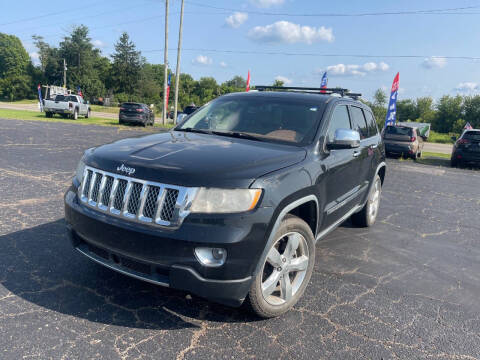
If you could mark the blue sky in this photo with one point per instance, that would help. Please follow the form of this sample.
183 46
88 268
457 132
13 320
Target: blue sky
272 26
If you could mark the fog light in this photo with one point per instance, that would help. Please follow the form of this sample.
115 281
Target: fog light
211 257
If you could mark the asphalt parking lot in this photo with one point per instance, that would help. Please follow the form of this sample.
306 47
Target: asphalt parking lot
408 288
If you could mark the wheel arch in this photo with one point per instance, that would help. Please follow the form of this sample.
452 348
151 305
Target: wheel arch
301 205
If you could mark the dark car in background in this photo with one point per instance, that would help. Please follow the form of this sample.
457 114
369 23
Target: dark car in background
466 150
135 113
403 140
190 109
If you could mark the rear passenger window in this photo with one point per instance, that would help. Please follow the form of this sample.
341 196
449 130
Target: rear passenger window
371 123
339 120
358 122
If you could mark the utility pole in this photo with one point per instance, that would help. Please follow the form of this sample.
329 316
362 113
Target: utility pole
177 73
64 74
165 62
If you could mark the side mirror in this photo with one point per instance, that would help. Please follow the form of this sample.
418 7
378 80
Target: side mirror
454 138
345 139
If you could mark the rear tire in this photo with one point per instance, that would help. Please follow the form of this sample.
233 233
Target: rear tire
285 273
49 114
367 216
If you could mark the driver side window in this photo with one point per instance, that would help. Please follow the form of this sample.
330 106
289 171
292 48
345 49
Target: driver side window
339 120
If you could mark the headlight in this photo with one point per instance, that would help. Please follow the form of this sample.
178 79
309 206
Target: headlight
80 171
209 200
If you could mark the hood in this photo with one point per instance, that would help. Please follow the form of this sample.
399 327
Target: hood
192 159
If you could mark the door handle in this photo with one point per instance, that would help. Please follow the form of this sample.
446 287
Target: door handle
356 153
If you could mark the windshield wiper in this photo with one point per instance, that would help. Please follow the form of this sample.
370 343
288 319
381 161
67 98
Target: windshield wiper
237 134
200 131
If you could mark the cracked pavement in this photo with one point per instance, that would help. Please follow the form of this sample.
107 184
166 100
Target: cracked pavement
408 288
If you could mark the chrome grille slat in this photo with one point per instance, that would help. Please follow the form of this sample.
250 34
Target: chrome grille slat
90 190
135 199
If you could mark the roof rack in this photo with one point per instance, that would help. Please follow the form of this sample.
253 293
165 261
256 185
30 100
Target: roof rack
311 90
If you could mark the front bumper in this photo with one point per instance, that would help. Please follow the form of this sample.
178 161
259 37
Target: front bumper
166 257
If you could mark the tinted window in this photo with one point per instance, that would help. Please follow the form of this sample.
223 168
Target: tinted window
371 123
472 135
398 130
358 122
131 106
272 118
339 120
60 98
72 98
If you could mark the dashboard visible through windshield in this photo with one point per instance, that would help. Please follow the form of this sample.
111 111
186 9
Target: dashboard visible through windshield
262 118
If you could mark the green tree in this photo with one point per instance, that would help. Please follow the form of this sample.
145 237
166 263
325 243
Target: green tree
380 98
471 110
82 58
278 83
237 82
449 110
406 110
14 58
15 69
126 67
379 107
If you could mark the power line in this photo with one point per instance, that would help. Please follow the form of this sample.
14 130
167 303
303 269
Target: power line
248 52
444 11
84 6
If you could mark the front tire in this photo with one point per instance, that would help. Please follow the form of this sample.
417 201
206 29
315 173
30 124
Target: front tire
75 114
88 114
286 271
49 114
367 216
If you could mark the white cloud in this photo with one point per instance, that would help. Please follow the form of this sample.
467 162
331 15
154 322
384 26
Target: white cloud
98 44
467 87
287 32
35 56
202 60
266 3
355 70
434 62
236 19
223 64
284 79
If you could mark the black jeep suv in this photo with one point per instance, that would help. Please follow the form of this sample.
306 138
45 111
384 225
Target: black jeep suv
229 204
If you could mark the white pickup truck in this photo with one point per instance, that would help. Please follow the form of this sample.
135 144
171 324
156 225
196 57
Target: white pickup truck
67 106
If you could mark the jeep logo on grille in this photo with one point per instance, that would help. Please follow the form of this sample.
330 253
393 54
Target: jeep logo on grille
125 169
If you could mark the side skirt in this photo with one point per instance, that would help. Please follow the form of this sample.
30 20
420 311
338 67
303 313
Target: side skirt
338 222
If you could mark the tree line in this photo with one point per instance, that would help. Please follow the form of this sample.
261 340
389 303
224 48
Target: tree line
125 76
447 115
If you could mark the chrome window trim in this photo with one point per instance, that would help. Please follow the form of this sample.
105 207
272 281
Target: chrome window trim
181 209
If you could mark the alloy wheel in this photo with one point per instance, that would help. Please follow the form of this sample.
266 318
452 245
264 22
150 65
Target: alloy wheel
285 269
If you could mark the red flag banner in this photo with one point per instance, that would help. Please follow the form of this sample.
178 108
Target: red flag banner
248 81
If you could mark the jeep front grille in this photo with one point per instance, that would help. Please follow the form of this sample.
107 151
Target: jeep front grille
135 199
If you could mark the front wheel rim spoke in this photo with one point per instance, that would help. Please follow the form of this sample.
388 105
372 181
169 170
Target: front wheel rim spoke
292 245
274 258
298 264
286 287
269 285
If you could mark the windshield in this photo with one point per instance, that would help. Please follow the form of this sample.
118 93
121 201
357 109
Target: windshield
268 118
